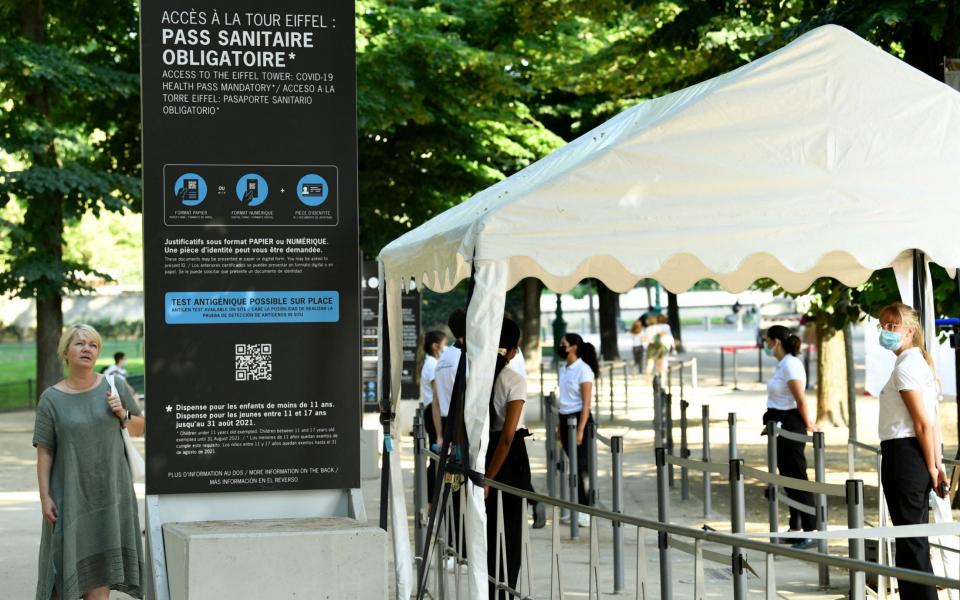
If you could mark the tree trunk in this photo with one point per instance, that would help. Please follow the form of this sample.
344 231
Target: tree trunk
530 340
851 380
591 310
831 372
45 215
673 317
609 301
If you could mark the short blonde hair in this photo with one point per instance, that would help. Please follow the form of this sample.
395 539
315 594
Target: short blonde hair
74 331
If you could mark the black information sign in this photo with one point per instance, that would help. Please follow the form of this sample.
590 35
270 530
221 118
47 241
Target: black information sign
410 308
250 241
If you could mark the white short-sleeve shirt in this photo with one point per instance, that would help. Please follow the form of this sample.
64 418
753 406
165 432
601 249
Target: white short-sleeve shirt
510 386
789 368
516 363
426 378
571 376
444 374
910 372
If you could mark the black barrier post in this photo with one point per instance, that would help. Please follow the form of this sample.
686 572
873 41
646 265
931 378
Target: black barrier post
616 453
657 413
772 511
684 452
737 525
820 502
760 362
420 479
611 395
707 475
551 443
663 515
668 406
856 545
572 476
732 435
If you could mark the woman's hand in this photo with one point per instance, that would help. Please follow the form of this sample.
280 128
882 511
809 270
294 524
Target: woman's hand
579 436
116 406
939 478
486 490
49 509
812 427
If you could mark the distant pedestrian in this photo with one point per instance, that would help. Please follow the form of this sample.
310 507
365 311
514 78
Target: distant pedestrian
119 366
910 440
507 461
90 541
577 374
434 343
636 337
787 405
659 341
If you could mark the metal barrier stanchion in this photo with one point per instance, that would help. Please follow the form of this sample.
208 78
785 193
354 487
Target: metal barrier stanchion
668 407
737 525
420 480
663 515
820 501
774 516
707 475
591 431
543 396
657 413
551 443
855 521
572 476
851 459
732 435
616 454
684 452
611 395
626 387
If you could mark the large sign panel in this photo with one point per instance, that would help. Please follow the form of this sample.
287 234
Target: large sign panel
250 242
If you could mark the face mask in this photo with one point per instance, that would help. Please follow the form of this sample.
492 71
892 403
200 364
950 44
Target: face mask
890 340
767 350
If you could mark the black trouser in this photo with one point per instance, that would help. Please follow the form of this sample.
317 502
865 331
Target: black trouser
431 440
791 462
453 527
638 358
514 472
906 486
583 471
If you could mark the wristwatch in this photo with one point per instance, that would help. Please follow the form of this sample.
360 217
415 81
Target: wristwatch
127 418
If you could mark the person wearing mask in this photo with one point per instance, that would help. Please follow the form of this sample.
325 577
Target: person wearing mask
910 440
578 371
433 344
90 540
507 461
787 405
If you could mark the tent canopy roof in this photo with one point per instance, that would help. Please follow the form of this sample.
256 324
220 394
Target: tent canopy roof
827 157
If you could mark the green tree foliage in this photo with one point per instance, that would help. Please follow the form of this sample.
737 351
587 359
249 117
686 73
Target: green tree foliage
70 126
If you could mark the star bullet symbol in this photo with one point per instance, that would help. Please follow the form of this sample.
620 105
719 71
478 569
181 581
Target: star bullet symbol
292 55
282 190
169 408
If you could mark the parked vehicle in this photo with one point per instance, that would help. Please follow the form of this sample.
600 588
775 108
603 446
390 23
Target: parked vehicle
779 311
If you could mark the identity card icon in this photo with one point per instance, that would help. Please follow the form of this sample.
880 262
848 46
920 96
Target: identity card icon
313 190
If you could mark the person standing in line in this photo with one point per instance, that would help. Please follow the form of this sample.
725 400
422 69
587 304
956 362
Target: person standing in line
90 539
507 461
119 366
659 341
636 335
787 405
433 344
577 374
910 440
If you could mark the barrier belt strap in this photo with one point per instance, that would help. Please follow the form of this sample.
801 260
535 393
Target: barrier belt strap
900 531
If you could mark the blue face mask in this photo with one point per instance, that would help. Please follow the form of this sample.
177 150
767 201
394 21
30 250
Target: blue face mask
890 340
767 350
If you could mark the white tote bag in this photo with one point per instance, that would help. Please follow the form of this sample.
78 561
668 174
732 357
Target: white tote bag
134 460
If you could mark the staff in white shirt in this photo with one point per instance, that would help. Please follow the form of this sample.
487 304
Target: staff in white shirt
433 344
577 374
910 440
787 405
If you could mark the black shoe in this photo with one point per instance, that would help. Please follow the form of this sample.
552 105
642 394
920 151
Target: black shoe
804 544
539 516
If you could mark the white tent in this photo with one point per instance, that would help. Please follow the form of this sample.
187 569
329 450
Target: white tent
828 157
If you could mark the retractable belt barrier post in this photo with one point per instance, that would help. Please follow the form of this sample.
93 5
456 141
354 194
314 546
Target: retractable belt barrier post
616 453
551 444
732 435
684 452
668 407
611 386
737 525
591 431
420 479
820 502
707 482
657 413
572 476
772 488
663 515
855 521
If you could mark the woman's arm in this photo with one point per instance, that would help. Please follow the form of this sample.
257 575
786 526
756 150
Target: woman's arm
514 409
586 393
799 394
137 425
435 413
44 465
913 400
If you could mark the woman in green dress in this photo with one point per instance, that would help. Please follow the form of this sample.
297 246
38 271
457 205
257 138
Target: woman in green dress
90 542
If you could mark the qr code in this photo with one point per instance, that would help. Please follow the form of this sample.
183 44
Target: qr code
253 362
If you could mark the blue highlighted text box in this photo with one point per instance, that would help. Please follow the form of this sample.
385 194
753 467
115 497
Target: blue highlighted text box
222 308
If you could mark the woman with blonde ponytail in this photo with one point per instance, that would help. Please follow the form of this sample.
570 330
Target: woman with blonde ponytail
909 431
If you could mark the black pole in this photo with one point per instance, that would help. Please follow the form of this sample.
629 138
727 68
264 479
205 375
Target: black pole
386 413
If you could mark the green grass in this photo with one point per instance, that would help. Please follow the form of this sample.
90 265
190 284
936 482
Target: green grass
18 365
